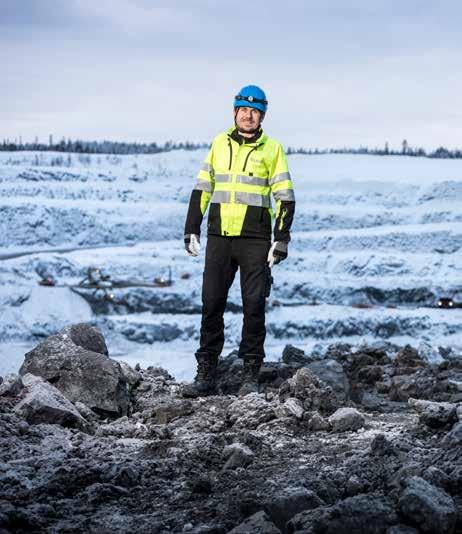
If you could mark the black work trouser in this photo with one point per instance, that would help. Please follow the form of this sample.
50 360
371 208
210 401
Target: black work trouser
223 256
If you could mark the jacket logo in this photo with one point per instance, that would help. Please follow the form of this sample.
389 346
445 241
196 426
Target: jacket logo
256 161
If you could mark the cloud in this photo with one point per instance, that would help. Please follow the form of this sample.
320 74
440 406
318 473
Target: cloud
335 72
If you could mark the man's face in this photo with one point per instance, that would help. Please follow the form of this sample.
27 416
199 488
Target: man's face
248 119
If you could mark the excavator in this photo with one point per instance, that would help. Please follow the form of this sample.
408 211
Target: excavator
99 282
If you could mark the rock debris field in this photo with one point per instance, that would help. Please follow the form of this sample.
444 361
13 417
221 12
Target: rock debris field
360 441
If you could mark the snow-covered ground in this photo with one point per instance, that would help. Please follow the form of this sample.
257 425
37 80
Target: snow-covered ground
376 240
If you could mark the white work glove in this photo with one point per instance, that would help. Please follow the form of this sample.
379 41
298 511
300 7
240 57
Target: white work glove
277 253
192 244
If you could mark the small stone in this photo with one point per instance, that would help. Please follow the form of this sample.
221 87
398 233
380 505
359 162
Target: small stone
402 529
380 446
294 357
435 476
429 354
11 386
258 523
454 437
315 421
291 407
238 455
144 386
132 376
354 486
346 419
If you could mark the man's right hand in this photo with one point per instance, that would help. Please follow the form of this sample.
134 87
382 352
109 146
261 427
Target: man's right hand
192 244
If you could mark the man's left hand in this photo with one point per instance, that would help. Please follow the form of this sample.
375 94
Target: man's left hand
277 253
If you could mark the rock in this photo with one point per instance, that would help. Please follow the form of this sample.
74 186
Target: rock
380 446
354 486
429 354
331 372
101 493
132 376
294 357
258 523
290 502
169 408
396 480
402 529
88 337
370 374
338 351
454 437
44 403
315 421
249 412
85 411
408 357
434 414
429 508
11 386
345 419
124 475
308 388
201 485
290 408
459 412
354 515
436 477
418 385
238 455
80 373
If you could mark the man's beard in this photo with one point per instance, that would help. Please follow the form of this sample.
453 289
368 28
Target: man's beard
247 129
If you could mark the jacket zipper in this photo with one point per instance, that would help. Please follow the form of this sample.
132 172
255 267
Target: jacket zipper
248 155
230 154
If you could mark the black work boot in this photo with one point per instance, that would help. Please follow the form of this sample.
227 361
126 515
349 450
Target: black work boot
204 381
252 364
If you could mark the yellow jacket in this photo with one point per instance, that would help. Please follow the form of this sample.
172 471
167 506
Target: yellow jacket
237 179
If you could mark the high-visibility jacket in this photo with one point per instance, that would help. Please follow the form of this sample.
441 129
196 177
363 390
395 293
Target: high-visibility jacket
237 179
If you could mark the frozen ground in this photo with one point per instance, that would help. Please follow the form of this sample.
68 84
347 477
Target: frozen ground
376 241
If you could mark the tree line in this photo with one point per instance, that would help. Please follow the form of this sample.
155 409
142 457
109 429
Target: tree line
405 150
100 147
123 148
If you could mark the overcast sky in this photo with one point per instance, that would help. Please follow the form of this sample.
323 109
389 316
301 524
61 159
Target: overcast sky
336 73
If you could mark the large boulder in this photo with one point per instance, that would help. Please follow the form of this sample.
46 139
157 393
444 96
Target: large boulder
346 419
258 523
427 507
354 515
76 362
289 502
43 403
419 385
434 414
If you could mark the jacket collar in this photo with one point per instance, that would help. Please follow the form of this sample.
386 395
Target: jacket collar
259 138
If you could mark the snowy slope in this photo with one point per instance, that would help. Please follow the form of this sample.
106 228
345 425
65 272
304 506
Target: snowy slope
383 232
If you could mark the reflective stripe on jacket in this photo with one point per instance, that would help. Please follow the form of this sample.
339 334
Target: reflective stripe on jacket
238 180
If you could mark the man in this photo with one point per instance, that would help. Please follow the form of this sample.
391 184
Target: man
242 168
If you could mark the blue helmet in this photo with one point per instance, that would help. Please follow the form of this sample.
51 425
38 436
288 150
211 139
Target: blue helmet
251 96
